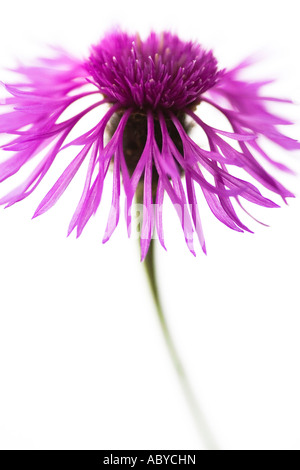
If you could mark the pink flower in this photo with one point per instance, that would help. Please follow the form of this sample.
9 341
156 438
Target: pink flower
152 88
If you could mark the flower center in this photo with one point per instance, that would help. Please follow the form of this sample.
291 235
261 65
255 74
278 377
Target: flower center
161 72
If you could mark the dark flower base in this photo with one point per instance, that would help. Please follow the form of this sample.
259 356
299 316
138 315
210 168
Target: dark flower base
135 136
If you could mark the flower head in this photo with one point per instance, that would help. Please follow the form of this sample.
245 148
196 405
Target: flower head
152 89
161 73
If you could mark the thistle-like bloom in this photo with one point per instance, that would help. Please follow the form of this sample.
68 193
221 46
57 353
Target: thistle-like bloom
152 89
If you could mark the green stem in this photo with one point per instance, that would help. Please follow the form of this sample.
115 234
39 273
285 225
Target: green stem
199 417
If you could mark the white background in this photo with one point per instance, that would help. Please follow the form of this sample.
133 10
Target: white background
82 361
